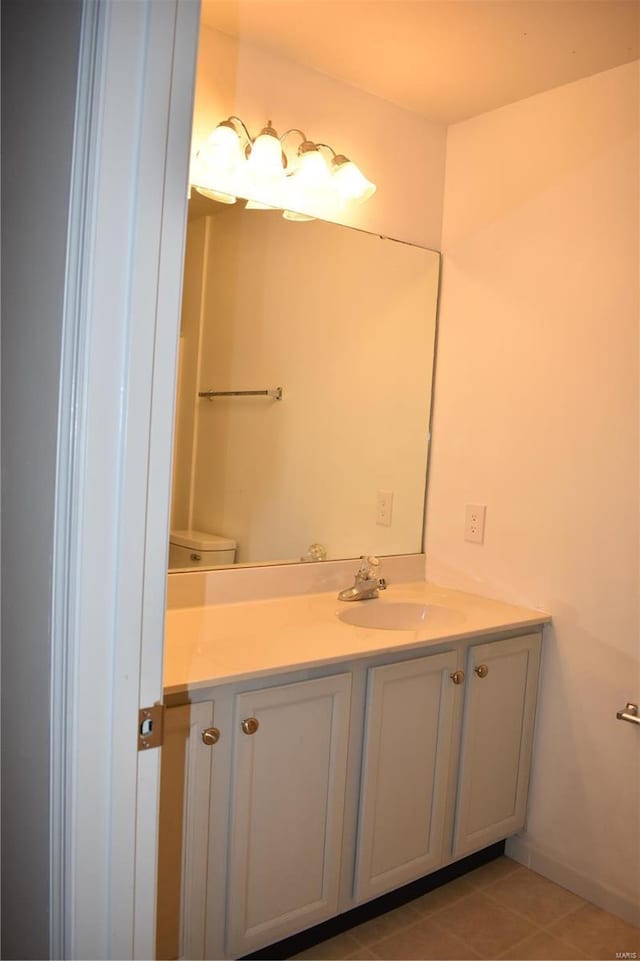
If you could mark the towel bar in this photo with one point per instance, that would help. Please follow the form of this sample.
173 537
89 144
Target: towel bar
277 393
630 713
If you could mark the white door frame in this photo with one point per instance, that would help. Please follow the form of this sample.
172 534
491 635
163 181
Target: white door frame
122 304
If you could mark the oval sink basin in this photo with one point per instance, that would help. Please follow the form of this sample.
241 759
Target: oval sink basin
397 615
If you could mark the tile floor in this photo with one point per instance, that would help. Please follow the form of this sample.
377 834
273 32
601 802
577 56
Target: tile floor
501 910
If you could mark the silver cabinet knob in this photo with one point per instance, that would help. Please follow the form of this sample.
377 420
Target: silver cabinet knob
481 670
211 735
457 677
250 725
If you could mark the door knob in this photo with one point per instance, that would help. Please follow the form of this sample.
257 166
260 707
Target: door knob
250 725
481 670
211 735
457 677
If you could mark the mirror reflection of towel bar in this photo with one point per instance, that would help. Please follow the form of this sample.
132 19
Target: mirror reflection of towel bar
276 394
630 713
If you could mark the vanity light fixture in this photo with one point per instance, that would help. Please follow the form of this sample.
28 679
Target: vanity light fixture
301 182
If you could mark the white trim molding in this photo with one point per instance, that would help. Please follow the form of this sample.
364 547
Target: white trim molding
123 284
67 520
522 850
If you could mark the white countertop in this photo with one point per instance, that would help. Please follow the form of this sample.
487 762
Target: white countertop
220 643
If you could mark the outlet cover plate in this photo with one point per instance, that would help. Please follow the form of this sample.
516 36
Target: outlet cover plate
474 519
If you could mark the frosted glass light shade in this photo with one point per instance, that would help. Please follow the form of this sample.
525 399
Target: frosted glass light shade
222 150
222 198
308 187
350 182
295 216
265 159
312 169
257 205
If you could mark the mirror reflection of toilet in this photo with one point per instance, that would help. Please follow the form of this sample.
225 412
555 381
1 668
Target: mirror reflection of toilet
199 549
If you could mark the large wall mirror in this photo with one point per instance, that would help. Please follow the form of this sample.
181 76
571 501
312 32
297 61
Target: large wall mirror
338 326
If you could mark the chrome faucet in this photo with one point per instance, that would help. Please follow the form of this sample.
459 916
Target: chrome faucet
366 585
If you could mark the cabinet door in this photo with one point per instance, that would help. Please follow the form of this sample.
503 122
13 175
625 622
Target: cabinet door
405 771
497 736
185 780
287 809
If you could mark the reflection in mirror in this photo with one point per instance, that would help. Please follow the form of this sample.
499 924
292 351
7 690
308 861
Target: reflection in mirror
343 323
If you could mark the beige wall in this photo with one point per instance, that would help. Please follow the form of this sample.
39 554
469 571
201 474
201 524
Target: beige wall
536 416
399 151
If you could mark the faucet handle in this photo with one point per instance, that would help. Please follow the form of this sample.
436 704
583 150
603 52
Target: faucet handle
367 563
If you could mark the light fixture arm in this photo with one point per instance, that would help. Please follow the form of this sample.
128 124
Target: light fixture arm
327 147
231 121
293 130
284 136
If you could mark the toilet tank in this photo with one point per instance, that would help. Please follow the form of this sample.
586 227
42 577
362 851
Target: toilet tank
195 549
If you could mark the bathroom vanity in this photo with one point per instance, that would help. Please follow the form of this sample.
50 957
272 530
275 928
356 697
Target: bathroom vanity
316 764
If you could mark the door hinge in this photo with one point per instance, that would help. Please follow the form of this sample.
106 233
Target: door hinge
150 726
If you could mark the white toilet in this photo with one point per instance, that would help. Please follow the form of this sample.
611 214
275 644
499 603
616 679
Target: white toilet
199 549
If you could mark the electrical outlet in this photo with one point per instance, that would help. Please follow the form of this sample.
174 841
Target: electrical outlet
384 508
474 523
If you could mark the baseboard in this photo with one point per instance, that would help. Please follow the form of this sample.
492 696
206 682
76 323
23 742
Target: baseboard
372 909
524 852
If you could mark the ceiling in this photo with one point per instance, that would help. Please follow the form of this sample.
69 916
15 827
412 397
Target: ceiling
447 60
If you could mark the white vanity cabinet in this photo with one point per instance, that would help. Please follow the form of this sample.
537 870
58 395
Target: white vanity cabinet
497 735
407 750
329 789
411 738
287 804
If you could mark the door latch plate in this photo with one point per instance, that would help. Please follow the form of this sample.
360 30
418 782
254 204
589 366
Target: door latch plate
150 723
